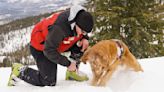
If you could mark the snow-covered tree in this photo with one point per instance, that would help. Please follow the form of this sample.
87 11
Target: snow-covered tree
137 22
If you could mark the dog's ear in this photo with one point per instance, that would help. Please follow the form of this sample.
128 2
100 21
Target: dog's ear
85 56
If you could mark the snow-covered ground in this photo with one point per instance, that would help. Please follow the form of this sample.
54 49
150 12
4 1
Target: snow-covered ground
151 80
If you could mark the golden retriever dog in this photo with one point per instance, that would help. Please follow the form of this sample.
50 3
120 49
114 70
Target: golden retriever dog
104 58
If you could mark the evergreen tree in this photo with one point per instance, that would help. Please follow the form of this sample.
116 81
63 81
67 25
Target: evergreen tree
138 23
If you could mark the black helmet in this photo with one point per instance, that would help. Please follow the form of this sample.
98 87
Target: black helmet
85 21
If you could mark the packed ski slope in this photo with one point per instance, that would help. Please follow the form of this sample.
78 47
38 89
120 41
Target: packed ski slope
151 80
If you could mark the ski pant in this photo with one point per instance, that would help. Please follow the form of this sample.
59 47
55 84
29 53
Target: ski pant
46 75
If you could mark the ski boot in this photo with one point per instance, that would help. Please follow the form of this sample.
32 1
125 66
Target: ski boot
75 75
16 70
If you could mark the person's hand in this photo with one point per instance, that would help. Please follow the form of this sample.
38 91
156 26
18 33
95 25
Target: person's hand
84 43
72 66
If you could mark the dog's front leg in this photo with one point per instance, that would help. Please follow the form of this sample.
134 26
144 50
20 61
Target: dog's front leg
104 77
106 74
96 75
94 81
100 76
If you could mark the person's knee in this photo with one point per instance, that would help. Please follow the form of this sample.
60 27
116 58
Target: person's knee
49 82
53 83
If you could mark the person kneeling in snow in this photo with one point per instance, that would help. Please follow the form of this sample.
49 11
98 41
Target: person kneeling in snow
61 32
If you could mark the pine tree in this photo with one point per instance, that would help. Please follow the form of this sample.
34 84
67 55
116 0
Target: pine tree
138 23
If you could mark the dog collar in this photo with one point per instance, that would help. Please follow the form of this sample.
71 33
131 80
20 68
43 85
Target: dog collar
119 49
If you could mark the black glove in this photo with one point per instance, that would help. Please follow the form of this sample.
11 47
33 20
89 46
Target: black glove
76 56
76 53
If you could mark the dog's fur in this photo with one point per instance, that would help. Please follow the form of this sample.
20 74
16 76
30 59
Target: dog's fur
104 60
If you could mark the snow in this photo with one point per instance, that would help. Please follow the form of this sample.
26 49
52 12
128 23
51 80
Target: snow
13 40
151 80
2 58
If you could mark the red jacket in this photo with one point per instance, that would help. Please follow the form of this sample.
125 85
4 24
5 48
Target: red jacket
40 32
54 35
